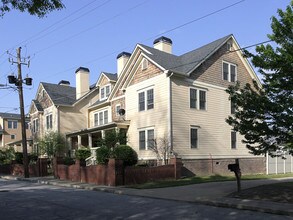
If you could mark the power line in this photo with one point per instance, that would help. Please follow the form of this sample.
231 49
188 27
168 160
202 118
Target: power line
54 24
126 47
84 14
90 28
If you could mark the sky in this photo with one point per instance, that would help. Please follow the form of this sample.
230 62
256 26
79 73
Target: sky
91 33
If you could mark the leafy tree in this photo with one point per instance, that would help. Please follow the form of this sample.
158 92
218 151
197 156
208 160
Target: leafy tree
112 139
103 155
39 8
52 144
265 115
6 155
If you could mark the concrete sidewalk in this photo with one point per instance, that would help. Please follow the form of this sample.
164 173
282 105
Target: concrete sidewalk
214 193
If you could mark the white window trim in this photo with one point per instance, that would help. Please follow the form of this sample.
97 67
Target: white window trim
12 125
144 64
146 136
105 94
197 107
103 113
116 112
197 128
34 125
144 90
48 115
229 72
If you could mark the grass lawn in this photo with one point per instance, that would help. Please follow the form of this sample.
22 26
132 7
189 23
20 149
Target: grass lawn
204 179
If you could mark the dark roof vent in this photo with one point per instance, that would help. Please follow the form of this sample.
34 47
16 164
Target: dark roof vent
82 69
126 54
64 83
163 39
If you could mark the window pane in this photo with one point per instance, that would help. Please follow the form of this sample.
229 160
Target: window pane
150 99
193 137
141 101
151 138
107 90
233 107
193 98
225 71
10 124
102 93
202 100
233 139
105 117
15 124
117 109
101 118
47 122
233 73
96 119
142 140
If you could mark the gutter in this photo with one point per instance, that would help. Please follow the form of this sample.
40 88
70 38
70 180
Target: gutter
170 113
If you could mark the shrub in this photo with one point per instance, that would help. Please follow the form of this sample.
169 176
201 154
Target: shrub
33 158
125 153
68 161
102 155
19 157
82 153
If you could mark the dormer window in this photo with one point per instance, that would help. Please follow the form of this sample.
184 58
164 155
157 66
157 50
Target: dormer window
105 91
144 64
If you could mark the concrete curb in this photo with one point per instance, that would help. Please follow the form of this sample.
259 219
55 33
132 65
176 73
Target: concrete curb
226 202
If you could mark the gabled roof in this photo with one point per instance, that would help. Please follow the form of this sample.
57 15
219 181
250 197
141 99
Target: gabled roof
38 105
111 76
187 62
9 115
60 94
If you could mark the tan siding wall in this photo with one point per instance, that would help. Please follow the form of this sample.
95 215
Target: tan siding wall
156 118
104 81
211 70
213 131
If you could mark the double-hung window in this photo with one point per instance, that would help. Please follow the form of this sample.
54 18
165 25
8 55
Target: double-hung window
105 91
146 100
233 140
198 99
101 118
232 107
49 123
12 124
35 125
193 137
146 139
117 109
229 72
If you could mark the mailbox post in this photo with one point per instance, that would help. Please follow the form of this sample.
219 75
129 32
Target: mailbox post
236 169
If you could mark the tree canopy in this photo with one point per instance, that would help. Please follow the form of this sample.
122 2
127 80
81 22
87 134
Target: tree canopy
264 115
33 7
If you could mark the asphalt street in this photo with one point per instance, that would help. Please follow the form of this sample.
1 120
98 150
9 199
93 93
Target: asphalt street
29 201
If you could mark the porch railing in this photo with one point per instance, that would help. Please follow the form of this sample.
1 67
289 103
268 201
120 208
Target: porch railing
91 160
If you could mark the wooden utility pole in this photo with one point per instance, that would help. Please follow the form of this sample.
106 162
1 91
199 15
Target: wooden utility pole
22 115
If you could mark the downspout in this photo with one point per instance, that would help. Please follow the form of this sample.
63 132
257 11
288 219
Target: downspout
170 114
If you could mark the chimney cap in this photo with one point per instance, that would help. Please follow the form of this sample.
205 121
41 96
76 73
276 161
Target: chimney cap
163 39
64 82
123 54
82 69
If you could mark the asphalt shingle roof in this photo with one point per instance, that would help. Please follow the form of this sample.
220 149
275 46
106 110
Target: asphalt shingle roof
9 115
111 76
185 63
38 105
60 94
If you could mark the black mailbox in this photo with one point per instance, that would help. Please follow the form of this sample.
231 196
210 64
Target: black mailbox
234 167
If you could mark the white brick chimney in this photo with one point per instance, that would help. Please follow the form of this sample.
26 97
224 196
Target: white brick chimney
122 59
82 77
163 44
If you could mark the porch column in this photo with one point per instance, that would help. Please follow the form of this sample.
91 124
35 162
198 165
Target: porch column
69 142
103 133
78 141
90 138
